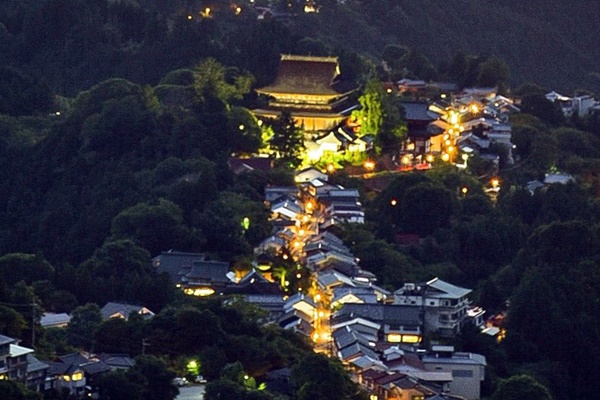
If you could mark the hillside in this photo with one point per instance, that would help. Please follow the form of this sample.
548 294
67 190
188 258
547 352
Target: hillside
72 45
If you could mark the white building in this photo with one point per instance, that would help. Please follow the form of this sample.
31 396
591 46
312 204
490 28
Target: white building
444 305
467 369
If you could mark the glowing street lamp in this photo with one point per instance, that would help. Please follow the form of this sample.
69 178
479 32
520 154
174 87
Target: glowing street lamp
453 118
369 165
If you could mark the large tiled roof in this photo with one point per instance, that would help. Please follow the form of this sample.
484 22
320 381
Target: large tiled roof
213 271
307 75
172 262
384 313
417 111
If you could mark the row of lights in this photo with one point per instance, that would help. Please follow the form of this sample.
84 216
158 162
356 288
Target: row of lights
207 12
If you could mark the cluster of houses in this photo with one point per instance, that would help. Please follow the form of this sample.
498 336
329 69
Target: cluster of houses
580 105
456 125
76 374
453 127
377 333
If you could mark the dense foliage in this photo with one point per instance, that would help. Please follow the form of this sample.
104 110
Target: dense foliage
116 122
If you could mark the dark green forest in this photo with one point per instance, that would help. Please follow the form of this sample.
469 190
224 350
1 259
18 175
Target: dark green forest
70 45
116 122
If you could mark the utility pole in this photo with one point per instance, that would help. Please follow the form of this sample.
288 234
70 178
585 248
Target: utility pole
33 325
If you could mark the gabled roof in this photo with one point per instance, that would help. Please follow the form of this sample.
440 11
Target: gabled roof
373 374
307 75
6 340
122 310
254 283
364 294
240 165
61 368
51 319
392 314
418 111
18 351
34 365
389 378
346 336
286 206
297 299
272 193
554 96
310 173
356 350
73 359
95 367
329 278
172 262
447 289
209 271
407 363
367 362
118 361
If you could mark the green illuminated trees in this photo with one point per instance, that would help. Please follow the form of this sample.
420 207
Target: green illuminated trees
380 115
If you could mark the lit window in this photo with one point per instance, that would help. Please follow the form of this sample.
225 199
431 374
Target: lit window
411 339
394 338
77 376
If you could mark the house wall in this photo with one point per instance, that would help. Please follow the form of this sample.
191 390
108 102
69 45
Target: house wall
466 378
444 316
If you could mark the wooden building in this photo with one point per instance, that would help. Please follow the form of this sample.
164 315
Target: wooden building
310 89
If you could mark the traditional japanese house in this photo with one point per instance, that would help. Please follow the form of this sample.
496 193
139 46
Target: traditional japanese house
309 88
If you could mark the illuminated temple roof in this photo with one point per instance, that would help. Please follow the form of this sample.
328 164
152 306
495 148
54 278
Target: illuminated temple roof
308 75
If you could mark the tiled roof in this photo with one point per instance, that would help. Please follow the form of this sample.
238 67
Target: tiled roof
213 271
172 262
112 308
73 359
447 288
384 313
117 360
307 75
95 367
33 364
50 319
6 339
417 111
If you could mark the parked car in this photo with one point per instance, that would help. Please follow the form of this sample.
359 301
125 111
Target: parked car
180 381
